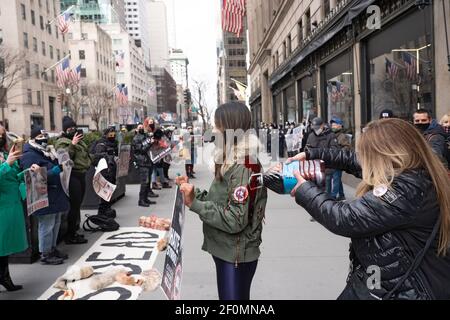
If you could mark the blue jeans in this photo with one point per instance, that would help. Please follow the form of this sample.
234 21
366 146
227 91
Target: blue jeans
48 231
338 187
158 172
328 179
234 283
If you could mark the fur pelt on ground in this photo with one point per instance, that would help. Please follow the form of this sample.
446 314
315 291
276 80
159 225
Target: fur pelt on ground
73 273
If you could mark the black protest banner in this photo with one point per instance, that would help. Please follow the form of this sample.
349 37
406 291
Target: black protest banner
173 265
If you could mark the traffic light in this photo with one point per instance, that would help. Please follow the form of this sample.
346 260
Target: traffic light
187 97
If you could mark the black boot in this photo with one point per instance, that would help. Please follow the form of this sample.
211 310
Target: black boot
151 194
5 278
144 203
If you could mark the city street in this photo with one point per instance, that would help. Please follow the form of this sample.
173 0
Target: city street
300 259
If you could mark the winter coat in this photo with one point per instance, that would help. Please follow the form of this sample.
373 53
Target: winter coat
13 237
78 153
386 231
343 140
139 149
57 199
108 150
436 136
232 213
327 139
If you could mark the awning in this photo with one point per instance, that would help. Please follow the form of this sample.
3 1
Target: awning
352 12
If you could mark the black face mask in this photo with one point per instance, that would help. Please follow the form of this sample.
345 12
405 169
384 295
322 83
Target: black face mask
2 142
42 142
70 134
152 126
111 139
141 131
422 127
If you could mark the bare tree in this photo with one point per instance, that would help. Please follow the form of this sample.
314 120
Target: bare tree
199 97
12 65
99 100
75 100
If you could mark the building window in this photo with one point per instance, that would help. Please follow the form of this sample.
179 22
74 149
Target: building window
48 8
25 40
284 51
300 33
38 98
289 45
49 29
56 32
81 54
64 38
325 8
51 52
44 74
36 71
308 21
27 69
23 11
35 45
84 91
41 22
58 54
29 97
43 48
52 75
33 18
83 72
84 36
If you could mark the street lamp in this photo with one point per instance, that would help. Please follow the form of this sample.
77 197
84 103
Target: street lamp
417 51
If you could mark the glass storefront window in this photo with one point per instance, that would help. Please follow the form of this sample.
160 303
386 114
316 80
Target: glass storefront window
278 107
338 91
400 77
340 99
308 98
291 105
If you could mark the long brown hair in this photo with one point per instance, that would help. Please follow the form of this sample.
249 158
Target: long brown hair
233 116
387 148
5 147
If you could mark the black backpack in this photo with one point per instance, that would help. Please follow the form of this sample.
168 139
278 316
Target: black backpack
100 223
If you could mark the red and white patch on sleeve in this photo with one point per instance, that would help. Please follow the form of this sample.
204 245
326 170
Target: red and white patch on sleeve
240 194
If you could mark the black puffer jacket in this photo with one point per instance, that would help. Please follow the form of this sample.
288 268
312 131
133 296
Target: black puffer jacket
385 232
327 139
139 149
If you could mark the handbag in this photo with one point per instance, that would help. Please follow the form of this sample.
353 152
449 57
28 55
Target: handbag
358 277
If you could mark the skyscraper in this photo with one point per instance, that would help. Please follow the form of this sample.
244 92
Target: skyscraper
137 19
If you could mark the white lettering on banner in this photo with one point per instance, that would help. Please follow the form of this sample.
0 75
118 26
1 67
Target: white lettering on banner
131 248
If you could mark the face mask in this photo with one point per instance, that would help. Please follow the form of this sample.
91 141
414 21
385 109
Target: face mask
111 139
422 127
2 142
152 126
318 131
42 142
447 129
335 130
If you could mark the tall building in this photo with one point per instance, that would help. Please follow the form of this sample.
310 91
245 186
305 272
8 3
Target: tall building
232 64
159 36
166 90
179 67
24 30
98 11
171 22
306 60
138 24
131 72
91 47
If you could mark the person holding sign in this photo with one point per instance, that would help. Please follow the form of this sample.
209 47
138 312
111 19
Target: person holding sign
13 238
233 209
37 153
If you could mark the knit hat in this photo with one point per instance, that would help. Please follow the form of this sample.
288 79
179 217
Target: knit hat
37 130
108 130
68 123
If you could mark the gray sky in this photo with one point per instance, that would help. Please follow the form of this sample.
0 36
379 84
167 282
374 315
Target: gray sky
197 30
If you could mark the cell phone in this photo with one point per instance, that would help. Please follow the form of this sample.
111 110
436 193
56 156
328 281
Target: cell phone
18 144
80 132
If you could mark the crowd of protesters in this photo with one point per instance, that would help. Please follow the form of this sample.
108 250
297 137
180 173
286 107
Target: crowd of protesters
37 153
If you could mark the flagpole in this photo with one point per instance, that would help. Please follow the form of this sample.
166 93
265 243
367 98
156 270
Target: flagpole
244 85
50 68
68 9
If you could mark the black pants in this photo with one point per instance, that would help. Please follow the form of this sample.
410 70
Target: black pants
166 167
77 188
145 177
189 169
234 283
3 266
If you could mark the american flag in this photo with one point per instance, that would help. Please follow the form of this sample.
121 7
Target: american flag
120 60
410 65
233 13
64 22
122 94
75 75
151 91
62 73
391 69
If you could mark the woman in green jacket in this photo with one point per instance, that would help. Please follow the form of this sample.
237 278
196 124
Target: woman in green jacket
233 210
13 238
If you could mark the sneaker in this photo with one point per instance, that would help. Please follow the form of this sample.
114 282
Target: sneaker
156 187
50 259
166 186
110 213
341 198
76 240
151 202
59 254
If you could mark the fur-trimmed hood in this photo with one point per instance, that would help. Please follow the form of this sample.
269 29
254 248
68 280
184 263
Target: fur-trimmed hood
248 145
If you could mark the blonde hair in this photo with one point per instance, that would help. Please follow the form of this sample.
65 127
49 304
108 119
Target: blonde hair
389 147
446 117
